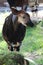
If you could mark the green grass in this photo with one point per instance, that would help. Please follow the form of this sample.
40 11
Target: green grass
38 61
33 40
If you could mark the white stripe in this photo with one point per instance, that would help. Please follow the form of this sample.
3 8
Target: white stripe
13 18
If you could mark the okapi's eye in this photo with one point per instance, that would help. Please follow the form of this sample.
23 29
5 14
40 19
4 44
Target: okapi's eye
23 17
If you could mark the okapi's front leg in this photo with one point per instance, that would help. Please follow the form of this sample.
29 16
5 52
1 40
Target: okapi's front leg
14 47
17 46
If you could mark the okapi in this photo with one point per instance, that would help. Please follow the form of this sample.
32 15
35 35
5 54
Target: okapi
14 31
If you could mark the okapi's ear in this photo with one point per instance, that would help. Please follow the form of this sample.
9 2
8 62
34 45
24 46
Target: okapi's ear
28 15
14 11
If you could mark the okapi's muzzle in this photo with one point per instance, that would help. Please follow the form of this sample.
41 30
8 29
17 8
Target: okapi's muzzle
29 23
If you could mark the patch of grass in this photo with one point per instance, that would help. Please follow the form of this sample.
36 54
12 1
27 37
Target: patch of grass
39 61
11 58
33 40
1 39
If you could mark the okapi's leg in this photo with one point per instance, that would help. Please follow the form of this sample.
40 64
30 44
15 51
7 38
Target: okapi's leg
9 46
17 46
14 47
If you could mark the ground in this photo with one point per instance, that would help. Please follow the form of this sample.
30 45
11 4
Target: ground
32 45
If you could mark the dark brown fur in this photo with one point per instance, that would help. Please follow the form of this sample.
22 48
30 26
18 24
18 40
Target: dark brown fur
14 32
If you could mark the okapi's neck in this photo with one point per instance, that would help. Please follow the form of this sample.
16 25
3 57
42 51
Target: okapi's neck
15 23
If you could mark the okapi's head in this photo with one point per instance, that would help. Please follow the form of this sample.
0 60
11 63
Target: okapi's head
23 17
